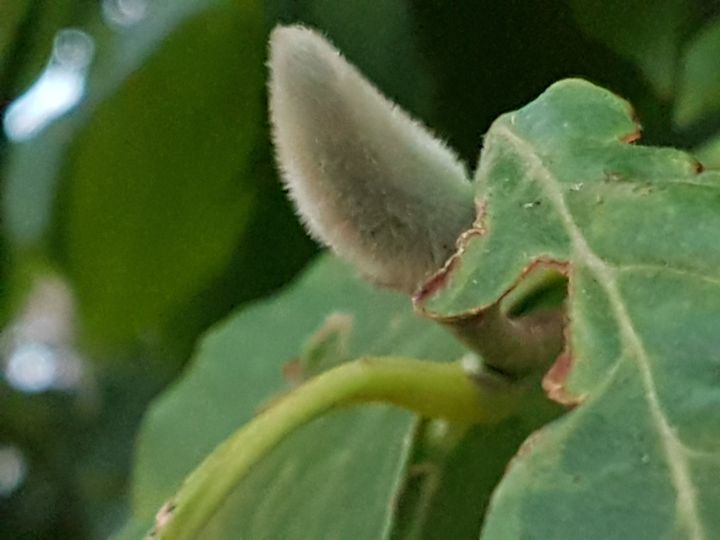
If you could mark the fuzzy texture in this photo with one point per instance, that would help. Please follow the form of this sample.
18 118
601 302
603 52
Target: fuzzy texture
366 179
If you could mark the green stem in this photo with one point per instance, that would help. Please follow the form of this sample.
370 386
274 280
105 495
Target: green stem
431 389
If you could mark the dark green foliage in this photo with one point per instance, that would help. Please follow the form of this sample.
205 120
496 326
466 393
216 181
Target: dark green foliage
156 200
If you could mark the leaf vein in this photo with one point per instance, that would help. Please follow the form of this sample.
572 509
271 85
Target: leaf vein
675 451
685 272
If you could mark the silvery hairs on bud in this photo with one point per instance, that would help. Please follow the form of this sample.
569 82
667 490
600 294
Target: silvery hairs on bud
367 180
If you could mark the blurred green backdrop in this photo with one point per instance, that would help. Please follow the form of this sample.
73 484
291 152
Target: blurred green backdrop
140 203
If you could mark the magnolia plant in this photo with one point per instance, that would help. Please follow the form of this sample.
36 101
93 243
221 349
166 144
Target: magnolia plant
563 267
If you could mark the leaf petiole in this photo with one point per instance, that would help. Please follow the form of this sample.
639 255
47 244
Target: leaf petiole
430 389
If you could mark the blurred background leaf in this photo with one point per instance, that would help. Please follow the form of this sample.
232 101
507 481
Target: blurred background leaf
379 37
709 153
648 33
155 199
358 455
149 208
12 17
699 88
26 33
153 209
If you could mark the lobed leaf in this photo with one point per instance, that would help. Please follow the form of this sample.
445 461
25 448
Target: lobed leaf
636 230
559 185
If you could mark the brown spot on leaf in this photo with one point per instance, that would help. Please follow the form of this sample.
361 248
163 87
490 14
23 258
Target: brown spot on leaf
631 137
529 443
637 133
480 211
543 262
436 281
439 279
525 448
163 516
554 381
292 372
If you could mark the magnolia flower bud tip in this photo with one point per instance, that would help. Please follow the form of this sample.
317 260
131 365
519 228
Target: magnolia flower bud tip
366 179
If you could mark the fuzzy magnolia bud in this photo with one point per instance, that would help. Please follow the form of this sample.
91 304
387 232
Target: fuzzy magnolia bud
367 180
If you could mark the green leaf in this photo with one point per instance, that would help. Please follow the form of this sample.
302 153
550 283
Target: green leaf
451 476
346 465
159 192
636 230
12 15
709 153
150 179
699 86
649 33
